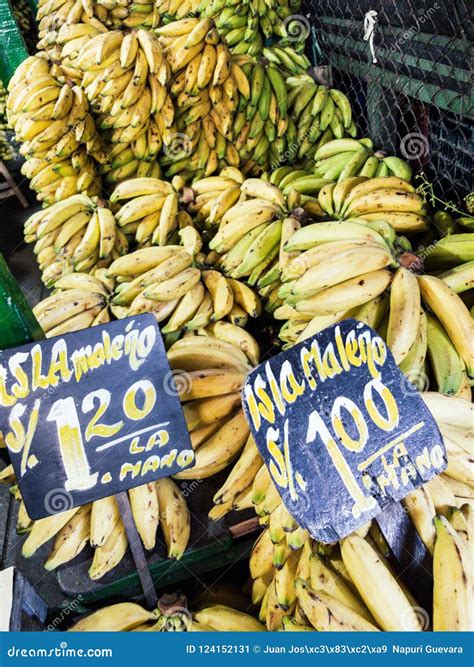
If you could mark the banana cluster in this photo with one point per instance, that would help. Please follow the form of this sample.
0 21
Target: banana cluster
338 269
287 57
124 77
131 617
245 26
183 298
301 584
7 150
209 372
77 234
79 301
320 114
389 198
343 158
206 90
156 505
57 132
262 127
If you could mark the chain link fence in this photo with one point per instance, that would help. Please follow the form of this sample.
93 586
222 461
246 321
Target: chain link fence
405 65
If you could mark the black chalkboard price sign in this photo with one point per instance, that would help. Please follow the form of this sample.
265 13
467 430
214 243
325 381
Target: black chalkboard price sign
341 430
91 414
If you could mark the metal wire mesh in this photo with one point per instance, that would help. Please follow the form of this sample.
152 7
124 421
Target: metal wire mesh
405 67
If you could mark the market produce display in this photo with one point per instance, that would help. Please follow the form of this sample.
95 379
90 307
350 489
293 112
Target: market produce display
189 168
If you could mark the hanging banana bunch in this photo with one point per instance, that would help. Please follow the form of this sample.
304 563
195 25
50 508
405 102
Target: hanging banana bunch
206 90
57 132
124 79
77 234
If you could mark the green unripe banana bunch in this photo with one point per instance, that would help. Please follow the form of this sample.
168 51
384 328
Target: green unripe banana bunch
343 158
264 130
56 130
77 234
319 114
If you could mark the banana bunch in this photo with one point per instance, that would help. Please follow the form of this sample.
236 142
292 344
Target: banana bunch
77 234
358 198
208 86
7 150
76 19
160 504
124 77
131 617
151 212
212 196
287 57
57 132
79 301
164 280
320 114
343 158
449 332
303 585
139 14
209 370
262 127
245 26
344 271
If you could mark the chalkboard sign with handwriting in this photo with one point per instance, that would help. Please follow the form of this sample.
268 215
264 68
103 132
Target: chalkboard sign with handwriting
340 428
90 414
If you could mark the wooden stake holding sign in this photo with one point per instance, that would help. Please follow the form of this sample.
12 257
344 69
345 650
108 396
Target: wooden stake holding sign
344 435
93 414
